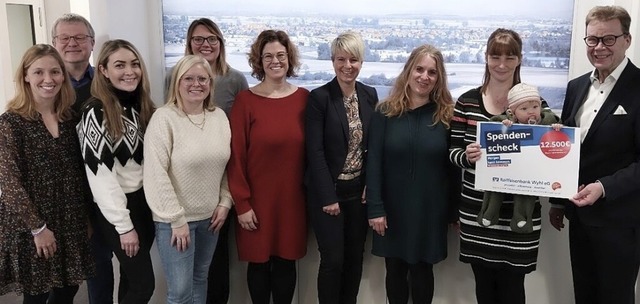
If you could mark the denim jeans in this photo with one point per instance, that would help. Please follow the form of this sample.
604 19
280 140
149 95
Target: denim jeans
186 272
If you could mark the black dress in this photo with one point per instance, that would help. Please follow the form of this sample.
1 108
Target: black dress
409 180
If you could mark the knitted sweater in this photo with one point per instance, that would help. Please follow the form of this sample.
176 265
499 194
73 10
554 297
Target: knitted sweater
185 166
114 167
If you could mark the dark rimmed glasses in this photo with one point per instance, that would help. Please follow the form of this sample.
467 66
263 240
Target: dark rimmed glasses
199 40
607 40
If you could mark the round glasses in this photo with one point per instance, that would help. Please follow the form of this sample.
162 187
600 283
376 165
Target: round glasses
607 40
64 39
191 80
281 56
199 40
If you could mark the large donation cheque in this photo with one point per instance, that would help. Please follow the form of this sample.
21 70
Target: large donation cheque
528 159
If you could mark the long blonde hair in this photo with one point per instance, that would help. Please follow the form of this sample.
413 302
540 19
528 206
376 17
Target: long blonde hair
102 90
398 101
183 65
23 103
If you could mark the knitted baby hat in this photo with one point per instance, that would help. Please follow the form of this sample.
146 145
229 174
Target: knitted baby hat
520 93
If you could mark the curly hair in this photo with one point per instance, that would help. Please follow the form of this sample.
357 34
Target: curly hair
255 53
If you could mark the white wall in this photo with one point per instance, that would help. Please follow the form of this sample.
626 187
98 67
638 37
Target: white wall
140 22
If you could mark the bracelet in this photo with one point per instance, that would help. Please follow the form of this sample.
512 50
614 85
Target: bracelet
35 232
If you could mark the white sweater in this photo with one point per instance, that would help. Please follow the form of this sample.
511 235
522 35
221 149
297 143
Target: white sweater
185 167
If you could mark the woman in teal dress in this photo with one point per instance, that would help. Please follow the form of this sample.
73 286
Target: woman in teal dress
409 177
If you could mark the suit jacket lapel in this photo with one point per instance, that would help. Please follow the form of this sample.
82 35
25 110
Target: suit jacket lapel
612 101
581 98
338 105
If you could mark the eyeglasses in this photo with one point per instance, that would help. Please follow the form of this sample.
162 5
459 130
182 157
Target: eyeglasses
80 39
191 80
608 40
199 40
281 56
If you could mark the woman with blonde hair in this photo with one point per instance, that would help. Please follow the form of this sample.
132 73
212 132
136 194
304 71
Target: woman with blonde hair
186 153
205 39
44 246
336 127
111 134
409 180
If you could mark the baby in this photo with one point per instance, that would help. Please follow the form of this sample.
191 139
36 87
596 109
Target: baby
525 107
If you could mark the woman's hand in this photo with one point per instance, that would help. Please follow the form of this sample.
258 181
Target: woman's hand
45 243
248 220
379 224
333 209
218 218
180 237
129 243
473 152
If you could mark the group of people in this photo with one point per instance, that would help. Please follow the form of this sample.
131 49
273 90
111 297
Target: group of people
97 171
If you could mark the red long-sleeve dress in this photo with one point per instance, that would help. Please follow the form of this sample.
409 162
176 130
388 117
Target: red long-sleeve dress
266 172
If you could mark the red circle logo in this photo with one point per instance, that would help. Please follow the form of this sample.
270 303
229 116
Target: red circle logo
555 144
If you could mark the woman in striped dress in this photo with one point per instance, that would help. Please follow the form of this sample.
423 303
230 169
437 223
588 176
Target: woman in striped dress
499 257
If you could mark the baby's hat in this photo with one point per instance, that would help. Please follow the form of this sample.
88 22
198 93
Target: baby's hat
520 93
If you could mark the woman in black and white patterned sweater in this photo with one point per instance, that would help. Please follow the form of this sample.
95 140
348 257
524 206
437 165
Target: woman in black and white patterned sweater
111 136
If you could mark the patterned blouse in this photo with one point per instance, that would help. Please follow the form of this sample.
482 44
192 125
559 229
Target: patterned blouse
353 163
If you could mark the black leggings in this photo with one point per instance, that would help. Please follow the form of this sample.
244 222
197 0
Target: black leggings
62 295
397 282
137 283
276 278
498 286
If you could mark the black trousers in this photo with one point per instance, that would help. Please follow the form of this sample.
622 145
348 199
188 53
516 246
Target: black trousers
100 287
604 263
498 285
218 281
275 278
341 241
138 283
401 274
62 295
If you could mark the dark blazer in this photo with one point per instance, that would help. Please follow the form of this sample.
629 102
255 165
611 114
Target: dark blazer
327 137
610 152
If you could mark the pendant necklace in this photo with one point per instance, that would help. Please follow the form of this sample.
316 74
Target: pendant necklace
199 125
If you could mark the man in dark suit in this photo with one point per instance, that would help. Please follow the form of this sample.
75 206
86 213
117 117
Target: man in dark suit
604 216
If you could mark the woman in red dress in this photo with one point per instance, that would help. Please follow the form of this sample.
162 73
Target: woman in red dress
266 170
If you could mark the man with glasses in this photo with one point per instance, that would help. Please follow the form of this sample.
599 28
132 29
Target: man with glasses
604 216
73 37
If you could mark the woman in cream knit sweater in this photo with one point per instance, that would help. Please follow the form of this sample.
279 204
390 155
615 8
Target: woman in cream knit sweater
186 153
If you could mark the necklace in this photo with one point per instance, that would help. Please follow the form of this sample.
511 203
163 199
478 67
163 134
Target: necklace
199 125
